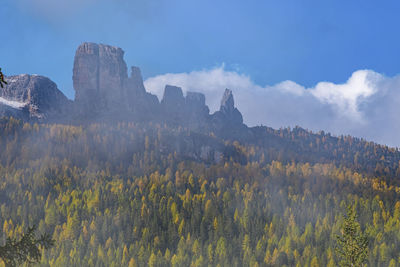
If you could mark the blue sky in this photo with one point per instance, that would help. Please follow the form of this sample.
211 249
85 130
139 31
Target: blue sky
271 41
263 50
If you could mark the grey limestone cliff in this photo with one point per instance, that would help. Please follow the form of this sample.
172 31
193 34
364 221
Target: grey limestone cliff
104 91
190 111
102 84
228 114
33 96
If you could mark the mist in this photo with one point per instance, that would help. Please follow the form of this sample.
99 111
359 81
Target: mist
366 105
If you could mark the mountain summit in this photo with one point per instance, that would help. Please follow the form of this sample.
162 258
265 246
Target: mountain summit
32 97
104 91
103 87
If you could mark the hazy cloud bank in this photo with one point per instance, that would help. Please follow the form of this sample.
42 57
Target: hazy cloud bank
367 105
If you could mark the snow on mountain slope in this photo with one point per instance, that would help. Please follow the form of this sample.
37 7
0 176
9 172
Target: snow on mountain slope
12 103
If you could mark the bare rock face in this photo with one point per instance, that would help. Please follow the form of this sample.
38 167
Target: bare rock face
99 75
35 96
190 111
173 105
227 113
196 109
173 97
196 105
227 102
228 121
141 104
196 101
135 82
104 91
102 84
86 71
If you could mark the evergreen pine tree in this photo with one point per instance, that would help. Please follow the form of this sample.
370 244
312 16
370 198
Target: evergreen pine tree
352 244
25 250
2 80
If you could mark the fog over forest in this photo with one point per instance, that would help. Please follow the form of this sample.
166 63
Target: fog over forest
365 105
169 133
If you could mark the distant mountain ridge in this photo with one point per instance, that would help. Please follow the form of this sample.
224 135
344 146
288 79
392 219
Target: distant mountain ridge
104 91
106 94
32 96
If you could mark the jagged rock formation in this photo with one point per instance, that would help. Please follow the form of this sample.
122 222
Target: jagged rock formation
227 112
228 115
98 71
104 91
173 104
10 111
173 97
197 111
141 104
102 84
32 96
190 111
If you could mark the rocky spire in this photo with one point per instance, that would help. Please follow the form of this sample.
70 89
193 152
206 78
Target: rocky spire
227 102
135 82
103 90
227 114
136 74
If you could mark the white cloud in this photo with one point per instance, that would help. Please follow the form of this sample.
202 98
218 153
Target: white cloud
210 82
361 85
366 105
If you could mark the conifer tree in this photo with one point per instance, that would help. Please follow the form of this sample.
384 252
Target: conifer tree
25 250
352 244
2 80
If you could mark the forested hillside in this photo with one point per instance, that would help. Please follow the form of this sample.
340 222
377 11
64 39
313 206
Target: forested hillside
137 194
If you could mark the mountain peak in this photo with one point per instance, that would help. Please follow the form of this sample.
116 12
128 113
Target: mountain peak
173 95
104 91
227 102
35 94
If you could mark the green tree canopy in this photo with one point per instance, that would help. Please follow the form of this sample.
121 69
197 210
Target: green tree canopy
25 250
352 246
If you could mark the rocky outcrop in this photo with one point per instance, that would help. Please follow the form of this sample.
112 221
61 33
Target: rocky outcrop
32 96
228 114
98 76
173 99
103 87
141 104
197 112
228 121
173 105
10 111
135 83
190 111
196 103
104 91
